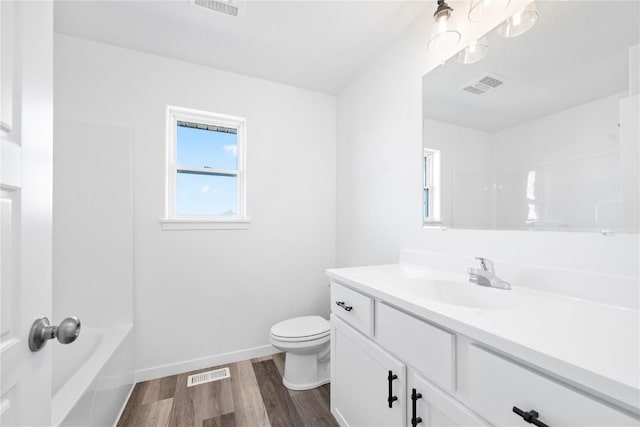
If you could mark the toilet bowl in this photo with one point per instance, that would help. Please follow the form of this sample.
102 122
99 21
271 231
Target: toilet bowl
305 340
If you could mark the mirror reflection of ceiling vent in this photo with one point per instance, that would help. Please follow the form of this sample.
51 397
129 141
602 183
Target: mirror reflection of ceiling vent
233 8
485 83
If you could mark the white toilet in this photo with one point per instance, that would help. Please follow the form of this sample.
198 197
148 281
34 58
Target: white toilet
306 343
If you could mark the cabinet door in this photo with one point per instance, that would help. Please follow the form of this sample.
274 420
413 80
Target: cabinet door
359 381
436 409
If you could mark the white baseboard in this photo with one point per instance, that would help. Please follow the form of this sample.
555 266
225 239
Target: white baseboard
204 362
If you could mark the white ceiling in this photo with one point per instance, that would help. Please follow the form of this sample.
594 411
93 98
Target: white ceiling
576 53
317 45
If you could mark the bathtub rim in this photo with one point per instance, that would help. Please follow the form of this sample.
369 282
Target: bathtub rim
72 390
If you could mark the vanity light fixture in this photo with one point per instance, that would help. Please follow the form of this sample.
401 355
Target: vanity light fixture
520 22
443 37
481 9
474 52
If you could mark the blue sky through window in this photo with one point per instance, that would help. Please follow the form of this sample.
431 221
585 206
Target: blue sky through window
203 194
206 195
206 148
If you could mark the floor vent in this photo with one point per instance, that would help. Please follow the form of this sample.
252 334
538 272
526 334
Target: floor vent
207 377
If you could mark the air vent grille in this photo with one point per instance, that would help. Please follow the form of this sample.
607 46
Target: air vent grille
484 83
226 7
207 377
473 90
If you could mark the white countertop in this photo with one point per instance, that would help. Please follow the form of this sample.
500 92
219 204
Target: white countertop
591 345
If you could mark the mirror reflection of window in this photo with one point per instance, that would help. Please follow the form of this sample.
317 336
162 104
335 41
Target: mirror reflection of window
431 186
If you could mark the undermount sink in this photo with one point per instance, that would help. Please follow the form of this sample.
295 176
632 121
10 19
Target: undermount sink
464 294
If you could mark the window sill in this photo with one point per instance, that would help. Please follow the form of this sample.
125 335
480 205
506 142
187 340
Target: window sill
434 225
203 224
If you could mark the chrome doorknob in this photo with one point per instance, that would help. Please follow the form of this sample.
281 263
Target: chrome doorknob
41 331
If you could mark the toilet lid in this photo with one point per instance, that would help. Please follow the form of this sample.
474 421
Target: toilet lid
301 327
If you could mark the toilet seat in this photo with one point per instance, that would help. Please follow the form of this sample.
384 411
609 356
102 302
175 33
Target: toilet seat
301 329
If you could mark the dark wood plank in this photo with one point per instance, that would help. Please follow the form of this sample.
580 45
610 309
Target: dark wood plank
277 400
313 410
134 403
278 359
226 420
325 394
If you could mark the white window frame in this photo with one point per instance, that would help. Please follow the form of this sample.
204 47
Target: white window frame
172 221
431 181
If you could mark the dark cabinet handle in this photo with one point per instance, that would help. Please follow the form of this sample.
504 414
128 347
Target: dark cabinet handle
391 397
343 305
531 417
414 398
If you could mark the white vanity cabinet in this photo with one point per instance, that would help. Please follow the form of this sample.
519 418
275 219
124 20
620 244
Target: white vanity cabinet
390 367
368 385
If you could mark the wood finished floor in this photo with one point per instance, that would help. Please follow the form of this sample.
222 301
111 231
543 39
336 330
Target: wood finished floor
253 396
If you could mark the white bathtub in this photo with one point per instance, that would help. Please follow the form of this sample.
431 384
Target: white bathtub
92 377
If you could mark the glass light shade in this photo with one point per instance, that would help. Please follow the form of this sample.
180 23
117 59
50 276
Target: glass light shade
483 9
443 41
520 22
474 52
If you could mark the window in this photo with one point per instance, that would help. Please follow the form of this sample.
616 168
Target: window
206 183
431 186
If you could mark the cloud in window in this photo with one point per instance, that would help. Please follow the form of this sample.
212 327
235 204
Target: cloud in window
231 149
206 189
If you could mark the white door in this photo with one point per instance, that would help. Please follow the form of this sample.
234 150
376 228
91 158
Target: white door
25 199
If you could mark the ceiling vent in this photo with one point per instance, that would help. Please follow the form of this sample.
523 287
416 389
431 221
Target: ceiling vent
485 83
233 8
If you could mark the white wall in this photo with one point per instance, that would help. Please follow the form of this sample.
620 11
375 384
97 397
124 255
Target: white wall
207 297
379 173
92 224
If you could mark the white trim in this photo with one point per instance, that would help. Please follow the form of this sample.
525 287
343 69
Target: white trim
203 224
432 181
204 362
174 114
124 405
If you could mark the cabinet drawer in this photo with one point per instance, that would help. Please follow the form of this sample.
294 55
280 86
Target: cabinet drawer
427 348
352 307
496 385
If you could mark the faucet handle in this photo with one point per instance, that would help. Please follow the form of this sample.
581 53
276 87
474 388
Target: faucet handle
487 264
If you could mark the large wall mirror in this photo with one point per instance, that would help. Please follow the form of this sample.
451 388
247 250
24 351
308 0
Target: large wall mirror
543 133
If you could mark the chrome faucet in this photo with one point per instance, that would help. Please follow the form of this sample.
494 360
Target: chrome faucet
486 275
